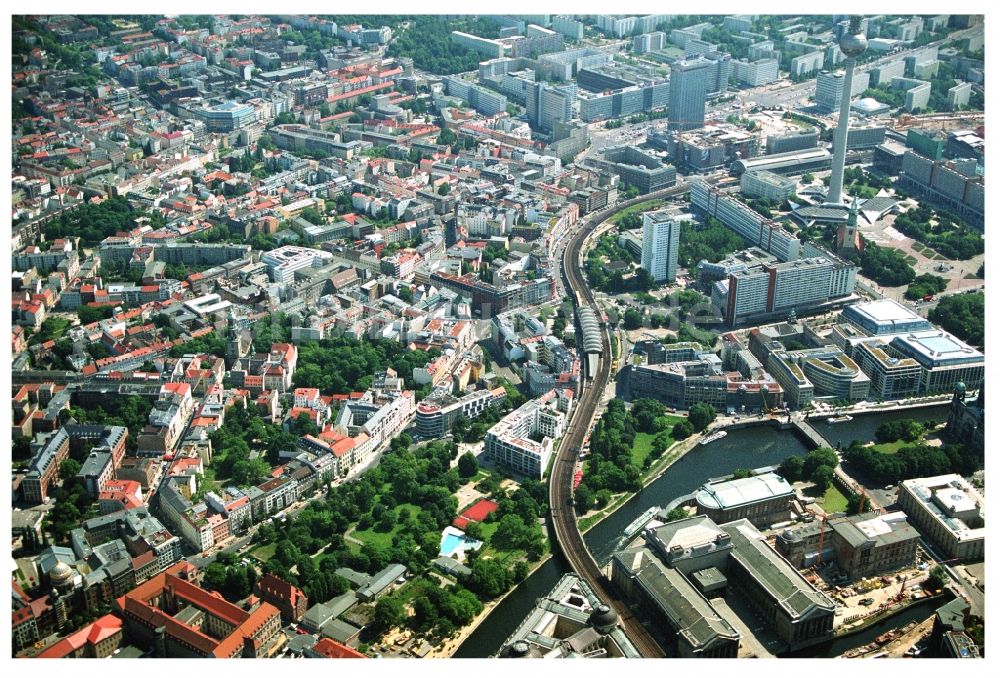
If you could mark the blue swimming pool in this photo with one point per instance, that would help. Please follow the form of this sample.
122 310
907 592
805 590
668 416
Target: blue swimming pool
451 543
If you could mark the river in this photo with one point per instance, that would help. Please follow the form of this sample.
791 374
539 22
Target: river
742 448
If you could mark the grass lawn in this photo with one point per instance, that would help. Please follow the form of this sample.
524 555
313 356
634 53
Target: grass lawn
643 443
383 540
264 553
893 447
834 500
488 530
911 260
634 209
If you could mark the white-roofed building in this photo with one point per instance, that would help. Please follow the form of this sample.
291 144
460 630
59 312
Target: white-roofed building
949 511
764 499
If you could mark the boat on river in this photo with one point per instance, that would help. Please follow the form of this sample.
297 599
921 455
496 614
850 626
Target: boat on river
718 435
840 420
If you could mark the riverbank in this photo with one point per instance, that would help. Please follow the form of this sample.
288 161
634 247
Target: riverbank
451 645
673 454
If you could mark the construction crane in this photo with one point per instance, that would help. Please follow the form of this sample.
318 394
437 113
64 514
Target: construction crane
822 536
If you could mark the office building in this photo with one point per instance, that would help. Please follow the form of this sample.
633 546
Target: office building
227 117
863 545
623 102
955 184
523 439
492 49
764 500
649 42
865 137
891 377
949 511
689 81
795 141
720 70
768 185
661 232
884 316
755 73
481 99
282 263
959 95
776 290
437 413
635 167
761 232
944 359
701 379
570 622
548 105
569 27
830 88
686 564
806 64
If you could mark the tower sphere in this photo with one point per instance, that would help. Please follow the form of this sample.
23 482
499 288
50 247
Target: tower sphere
853 43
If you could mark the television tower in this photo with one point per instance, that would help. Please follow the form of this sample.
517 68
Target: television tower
853 43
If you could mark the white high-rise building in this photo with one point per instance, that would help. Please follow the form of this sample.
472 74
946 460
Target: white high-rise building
661 234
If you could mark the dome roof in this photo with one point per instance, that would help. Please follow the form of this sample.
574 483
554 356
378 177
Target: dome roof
960 387
868 105
603 617
60 574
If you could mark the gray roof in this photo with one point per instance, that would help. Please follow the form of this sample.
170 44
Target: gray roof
358 579
382 580
789 589
688 611
451 566
339 630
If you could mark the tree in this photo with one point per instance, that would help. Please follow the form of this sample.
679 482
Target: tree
963 315
250 471
489 577
584 498
822 477
791 468
91 314
389 613
701 415
468 466
633 319
808 178
68 468
678 513
937 578
682 430
858 504
823 456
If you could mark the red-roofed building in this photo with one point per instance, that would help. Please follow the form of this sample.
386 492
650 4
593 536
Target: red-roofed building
290 599
328 648
170 599
98 640
118 495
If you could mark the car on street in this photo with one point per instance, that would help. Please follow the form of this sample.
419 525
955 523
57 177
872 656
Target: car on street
866 601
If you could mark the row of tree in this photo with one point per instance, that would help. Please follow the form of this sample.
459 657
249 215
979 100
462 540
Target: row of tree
913 461
964 315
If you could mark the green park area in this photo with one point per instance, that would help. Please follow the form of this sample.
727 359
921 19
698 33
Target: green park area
631 213
833 500
643 445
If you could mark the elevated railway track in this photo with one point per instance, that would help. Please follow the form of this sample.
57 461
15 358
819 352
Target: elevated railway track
563 514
